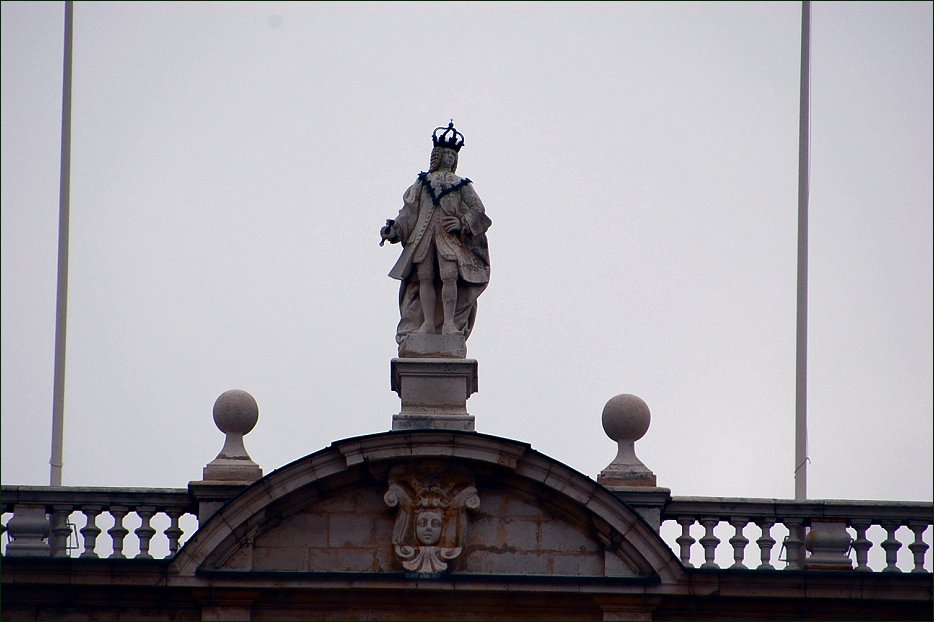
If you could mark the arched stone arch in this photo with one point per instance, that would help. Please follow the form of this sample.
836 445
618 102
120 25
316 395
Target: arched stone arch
326 512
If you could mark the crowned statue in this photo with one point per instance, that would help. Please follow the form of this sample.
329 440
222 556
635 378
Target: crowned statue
445 262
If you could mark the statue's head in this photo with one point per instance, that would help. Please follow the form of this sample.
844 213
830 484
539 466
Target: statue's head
443 158
447 144
428 525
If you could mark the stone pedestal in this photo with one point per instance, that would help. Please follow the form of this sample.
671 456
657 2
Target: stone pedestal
416 346
235 414
828 544
648 501
434 393
28 531
212 495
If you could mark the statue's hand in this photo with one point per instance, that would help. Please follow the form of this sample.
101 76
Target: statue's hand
451 224
385 232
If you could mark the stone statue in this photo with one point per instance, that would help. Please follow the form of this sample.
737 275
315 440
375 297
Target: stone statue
431 525
445 263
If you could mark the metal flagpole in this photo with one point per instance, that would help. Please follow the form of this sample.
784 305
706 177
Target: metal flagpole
801 387
61 296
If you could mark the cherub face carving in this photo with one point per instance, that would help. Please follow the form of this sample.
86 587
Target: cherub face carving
428 526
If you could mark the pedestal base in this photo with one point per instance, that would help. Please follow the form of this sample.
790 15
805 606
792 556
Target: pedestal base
434 393
433 422
418 346
231 470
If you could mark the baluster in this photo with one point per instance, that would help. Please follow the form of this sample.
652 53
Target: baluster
90 531
144 532
709 541
60 530
861 544
794 544
738 542
765 542
891 546
173 532
118 532
919 546
685 541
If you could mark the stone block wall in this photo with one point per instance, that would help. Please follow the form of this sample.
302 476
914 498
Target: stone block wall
511 533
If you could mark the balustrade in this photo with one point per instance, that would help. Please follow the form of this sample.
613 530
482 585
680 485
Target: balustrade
45 521
845 531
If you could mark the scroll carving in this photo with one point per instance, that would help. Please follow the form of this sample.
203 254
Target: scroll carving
432 500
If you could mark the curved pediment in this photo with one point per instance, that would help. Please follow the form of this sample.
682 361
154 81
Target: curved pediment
429 502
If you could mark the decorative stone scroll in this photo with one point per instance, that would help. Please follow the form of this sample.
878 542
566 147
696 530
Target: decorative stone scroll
431 525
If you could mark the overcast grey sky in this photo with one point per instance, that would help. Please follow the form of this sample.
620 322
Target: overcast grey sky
233 162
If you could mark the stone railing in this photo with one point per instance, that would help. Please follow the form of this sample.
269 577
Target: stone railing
67 521
705 532
839 533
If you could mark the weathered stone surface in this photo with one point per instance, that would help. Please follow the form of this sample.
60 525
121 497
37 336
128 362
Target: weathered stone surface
511 534
576 565
306 529
281 558
351 530
346 532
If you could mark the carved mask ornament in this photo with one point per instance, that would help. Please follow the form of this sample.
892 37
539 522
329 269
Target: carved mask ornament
432 500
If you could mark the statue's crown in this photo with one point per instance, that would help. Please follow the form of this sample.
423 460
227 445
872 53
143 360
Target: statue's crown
449 138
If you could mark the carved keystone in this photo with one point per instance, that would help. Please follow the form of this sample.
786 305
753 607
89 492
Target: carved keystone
431 524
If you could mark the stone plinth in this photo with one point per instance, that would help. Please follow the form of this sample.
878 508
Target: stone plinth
648 501
434 393
28 531
235 414
828 544
433 346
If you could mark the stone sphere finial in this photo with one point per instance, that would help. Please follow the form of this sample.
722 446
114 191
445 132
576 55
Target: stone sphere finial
626 419
235 414
235 411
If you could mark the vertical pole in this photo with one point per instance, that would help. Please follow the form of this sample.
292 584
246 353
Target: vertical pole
61 294
801 367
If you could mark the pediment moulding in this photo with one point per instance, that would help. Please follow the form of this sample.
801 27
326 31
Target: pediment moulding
429 502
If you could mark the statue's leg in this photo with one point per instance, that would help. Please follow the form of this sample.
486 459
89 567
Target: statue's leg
448 272
425 270
426 291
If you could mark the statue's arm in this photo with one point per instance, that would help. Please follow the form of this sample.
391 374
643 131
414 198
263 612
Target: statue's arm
474 219
398 229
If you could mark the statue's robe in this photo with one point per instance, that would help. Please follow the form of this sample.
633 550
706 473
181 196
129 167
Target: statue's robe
418 227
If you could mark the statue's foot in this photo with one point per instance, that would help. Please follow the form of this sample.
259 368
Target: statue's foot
450 329
424 329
